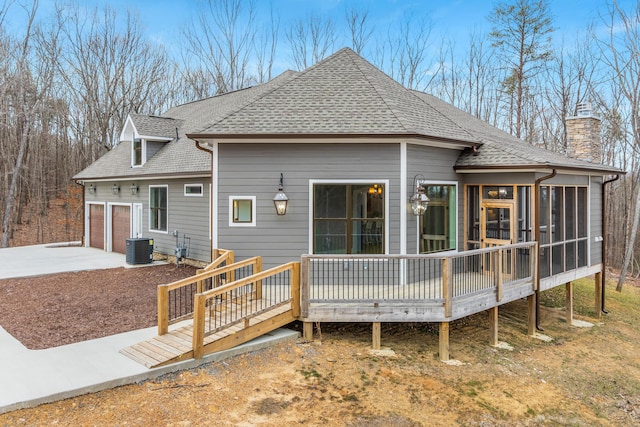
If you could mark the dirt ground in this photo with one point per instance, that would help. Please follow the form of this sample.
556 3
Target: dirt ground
583 377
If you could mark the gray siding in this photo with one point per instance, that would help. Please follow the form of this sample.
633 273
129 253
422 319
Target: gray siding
435 164
254 170
511 178
187 214
153 147
595 194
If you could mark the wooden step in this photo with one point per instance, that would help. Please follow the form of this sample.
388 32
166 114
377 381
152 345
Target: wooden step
176 345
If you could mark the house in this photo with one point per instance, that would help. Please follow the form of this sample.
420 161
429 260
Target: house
155 183
350 147
346 197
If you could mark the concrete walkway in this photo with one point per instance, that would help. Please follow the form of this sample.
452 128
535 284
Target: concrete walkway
31 377
37 260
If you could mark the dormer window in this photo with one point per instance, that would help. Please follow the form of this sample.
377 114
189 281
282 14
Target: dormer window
136 159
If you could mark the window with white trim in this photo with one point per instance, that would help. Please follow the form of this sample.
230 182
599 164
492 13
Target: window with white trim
349 218
136 152
158 207
437 227
193 190
242 211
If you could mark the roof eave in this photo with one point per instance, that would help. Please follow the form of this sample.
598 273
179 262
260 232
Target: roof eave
144 177
330 137
540 167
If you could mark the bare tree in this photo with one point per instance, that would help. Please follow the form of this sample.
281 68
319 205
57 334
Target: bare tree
110 71
521 34
310 40
265 47
220 42
621 53
357 22
404 54
25 102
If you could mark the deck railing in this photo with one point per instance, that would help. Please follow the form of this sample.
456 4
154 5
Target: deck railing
437 279
243 299
176 300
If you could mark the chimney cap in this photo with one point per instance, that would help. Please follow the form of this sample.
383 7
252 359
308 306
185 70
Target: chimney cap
583 109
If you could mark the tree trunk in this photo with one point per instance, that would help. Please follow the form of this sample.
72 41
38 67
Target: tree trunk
628 255
11 196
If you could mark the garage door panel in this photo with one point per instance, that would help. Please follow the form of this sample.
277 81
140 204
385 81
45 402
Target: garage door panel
96 226
120 228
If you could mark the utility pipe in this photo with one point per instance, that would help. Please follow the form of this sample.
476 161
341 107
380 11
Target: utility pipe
200 147
537 237
604 244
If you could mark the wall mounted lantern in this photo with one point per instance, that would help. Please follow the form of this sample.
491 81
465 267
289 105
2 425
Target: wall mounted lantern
419 201
134 189
92 189
280 200
115 189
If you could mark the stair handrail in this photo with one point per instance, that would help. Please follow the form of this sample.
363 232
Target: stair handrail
200 299
220 256
199 279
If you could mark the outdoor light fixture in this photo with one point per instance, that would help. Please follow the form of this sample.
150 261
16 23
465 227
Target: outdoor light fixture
92 189
375 190
280 200
115 188
134 189
419 201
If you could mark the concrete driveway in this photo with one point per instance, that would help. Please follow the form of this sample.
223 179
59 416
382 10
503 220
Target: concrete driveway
23 261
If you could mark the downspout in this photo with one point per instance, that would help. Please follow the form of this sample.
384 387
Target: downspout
604 244
200 147
537 237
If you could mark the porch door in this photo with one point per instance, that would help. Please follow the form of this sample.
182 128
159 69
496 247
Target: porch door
497 223
497 229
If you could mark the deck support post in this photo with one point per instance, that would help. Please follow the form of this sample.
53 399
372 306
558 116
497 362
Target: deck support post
163 310
599 302
376 335
198 326
493 326
531 310
443 341
307 331
569 302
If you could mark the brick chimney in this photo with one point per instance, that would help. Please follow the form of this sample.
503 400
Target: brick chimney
583 135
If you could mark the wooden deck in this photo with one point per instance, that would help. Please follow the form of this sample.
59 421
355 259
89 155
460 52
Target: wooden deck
177 344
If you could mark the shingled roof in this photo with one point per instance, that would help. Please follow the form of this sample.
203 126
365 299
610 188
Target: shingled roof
342 96
501 150
179 157
339 96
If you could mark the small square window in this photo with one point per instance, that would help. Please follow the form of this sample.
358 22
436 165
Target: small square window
242 211
193 190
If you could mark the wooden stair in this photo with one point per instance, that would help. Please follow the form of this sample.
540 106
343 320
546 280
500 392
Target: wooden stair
177 345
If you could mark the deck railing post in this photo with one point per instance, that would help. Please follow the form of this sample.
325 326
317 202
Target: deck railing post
198 326
295 289
499 276
304 286
447 285
257 268
533 258
163 310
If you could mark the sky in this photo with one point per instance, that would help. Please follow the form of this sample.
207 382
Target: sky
163 20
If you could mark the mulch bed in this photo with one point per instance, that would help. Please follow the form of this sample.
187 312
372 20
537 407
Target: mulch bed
49 311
